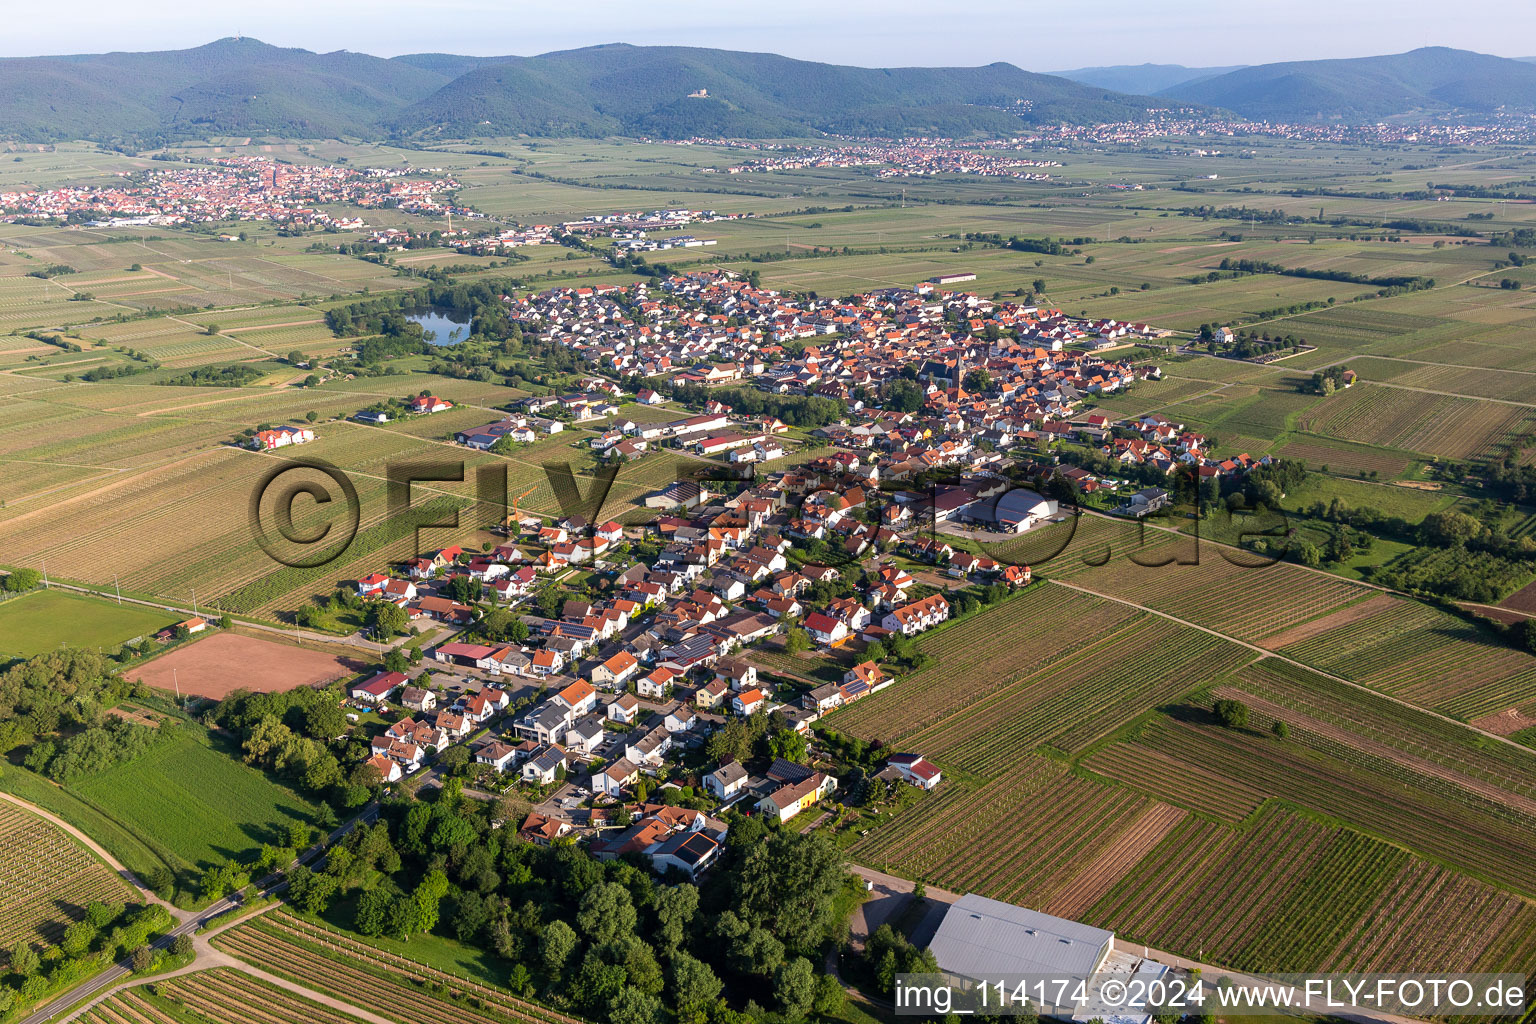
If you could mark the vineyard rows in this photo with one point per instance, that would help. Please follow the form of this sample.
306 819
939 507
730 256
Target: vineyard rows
1454 831
1243 602
46 879
226 996
1155 772
1073 702
350 969
1105 870
128 1007
1343 746
1377 718
1210 888
982 655
1020 838
1455 428
1422 655
1422 916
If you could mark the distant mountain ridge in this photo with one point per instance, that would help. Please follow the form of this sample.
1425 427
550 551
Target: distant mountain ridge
1143 79
246 87
1434 80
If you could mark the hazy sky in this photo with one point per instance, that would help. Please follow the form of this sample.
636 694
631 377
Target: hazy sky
1040 35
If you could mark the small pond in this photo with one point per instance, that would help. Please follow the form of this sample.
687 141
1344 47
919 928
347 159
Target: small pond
442 326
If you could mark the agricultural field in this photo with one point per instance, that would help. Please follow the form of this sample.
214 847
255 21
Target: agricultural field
1422 655
46 879
1062 693
1298 895
192 801
226 994
1019 838
46 620
1455 809
1447 426
387 983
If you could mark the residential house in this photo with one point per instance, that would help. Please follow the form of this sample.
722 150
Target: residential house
389 771
544 764
657 683
915 769
726 781
679 719
825 630
737 673
612 779
542 830
624 708
748 701
711 694
584 735
377 688
910 619
418 699
579 697
616 672
791 798
498 754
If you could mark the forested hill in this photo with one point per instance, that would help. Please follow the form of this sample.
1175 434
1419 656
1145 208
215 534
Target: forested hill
246 87
1434 80
652 90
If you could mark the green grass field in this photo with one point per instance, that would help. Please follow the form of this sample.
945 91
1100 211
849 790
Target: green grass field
45 620
193 802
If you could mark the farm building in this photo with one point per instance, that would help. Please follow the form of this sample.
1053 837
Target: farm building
984 938
1013 511
282 437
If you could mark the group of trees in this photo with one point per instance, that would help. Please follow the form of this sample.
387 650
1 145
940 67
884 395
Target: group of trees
97 747
234 376
106 932
603 939
298 734
1397 283
69 689
795 410
1326 382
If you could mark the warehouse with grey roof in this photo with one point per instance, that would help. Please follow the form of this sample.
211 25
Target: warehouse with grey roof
982 938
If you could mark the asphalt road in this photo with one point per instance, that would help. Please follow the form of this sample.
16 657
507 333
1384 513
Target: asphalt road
273 883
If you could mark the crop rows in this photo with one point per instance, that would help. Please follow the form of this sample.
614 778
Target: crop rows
1156 772
1452 427
1376 720
1341 746
46 879
347 968
1422 655
1346 457
127 1007
975 658
1428 914
1455 831
226 996
1017 838
1210 888
1325 905
1103 685
1104 871
1243 602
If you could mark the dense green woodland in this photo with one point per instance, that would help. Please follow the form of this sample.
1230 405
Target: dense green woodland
604 939
244 86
